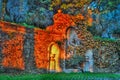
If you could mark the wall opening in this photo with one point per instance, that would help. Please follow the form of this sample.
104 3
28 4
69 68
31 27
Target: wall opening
54 57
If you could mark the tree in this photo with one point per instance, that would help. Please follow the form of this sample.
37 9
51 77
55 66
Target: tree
106 18
17 10
73 6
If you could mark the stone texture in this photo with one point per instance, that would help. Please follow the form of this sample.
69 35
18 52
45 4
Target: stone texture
106 22
89 61
106 57
87 39
28 51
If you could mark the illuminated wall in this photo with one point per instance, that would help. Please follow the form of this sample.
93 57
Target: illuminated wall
11 43
24 48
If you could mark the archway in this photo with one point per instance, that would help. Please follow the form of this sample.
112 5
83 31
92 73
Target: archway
54 57
72 42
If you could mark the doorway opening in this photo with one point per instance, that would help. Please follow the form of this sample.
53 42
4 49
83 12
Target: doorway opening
54 58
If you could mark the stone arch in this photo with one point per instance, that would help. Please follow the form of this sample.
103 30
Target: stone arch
71 36
71 44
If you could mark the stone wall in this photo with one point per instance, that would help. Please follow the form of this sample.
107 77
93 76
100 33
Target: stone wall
26 49
107 56
17 48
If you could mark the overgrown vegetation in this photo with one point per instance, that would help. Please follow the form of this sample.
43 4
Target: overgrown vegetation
28 26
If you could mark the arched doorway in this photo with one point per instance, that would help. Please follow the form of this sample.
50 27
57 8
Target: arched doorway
72 42
72 38
54 57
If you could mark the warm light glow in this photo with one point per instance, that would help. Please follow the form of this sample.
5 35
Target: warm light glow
90 20
54 58
41 54
12 48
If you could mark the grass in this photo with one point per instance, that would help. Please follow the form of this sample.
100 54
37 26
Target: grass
28 26
104 39
62 76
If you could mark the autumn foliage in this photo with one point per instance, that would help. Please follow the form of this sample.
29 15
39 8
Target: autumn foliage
13 47
12 51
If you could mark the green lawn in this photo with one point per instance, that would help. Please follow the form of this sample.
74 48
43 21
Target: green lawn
62 76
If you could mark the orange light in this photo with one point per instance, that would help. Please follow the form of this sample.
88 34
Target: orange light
13 54
54 57
59 11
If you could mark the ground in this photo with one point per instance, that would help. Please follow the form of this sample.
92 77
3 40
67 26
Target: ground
61 76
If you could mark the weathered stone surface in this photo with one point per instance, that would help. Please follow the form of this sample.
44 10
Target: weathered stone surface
28 51
106 57
89 62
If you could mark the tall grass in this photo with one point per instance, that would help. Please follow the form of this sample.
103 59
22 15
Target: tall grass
62 76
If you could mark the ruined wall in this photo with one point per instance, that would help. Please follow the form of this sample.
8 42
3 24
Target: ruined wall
15 46
107 55
24 48
27 49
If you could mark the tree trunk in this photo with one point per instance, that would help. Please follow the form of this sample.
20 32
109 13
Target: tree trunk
0 9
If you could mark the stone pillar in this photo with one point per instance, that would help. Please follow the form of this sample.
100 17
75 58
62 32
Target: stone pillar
89 61
29 50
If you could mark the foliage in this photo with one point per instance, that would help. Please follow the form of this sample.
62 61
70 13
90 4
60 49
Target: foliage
65 4
17 10
35 12
44 1
106 17
62 76
38 14
104 39
0 8
117 31
15 59
28 26
104 5
110 4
